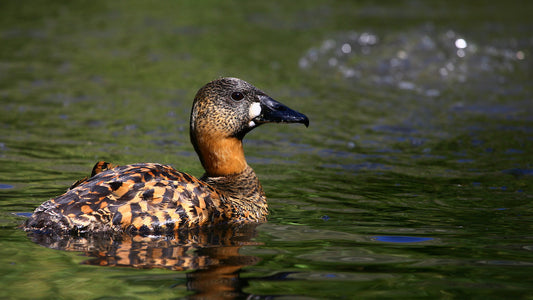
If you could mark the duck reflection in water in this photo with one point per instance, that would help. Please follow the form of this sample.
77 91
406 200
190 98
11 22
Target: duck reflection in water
211 253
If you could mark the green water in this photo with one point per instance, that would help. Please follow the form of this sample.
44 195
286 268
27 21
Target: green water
414 179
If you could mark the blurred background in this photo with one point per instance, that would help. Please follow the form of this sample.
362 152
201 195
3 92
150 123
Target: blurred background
421 129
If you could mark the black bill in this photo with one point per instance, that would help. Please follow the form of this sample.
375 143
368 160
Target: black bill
274 112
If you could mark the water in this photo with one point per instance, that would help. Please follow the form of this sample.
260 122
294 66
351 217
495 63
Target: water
413 180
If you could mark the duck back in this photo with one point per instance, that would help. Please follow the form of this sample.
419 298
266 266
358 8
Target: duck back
139 198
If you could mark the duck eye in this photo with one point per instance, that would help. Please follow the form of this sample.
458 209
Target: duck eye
237 96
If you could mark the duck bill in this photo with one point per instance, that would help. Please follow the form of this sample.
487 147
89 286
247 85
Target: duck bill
273 111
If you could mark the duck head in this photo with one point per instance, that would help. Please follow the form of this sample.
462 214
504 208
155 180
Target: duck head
223 112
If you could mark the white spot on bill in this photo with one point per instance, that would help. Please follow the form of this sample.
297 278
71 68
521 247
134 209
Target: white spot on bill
255 110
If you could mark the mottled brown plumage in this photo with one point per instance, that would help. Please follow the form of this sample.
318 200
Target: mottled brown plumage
98 168
150 198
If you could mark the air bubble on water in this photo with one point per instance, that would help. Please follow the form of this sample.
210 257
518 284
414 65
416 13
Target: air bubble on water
313 55
428 43
450 34
395 63
450 66
328 45
460 43
402 54
346 48
303 63
405 85
349 72
367 39
432 93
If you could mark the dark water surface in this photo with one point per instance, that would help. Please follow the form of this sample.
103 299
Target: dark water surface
414 180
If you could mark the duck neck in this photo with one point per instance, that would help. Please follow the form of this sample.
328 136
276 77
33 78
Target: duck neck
221 156
243 193
227 171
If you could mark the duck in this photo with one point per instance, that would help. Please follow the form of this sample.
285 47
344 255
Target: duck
153 198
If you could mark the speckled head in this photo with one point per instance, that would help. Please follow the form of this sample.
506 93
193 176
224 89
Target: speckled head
223 112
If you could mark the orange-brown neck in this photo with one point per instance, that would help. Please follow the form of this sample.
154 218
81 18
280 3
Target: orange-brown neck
220 156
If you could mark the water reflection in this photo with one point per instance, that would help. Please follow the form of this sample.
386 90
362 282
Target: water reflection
402 239
212 254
